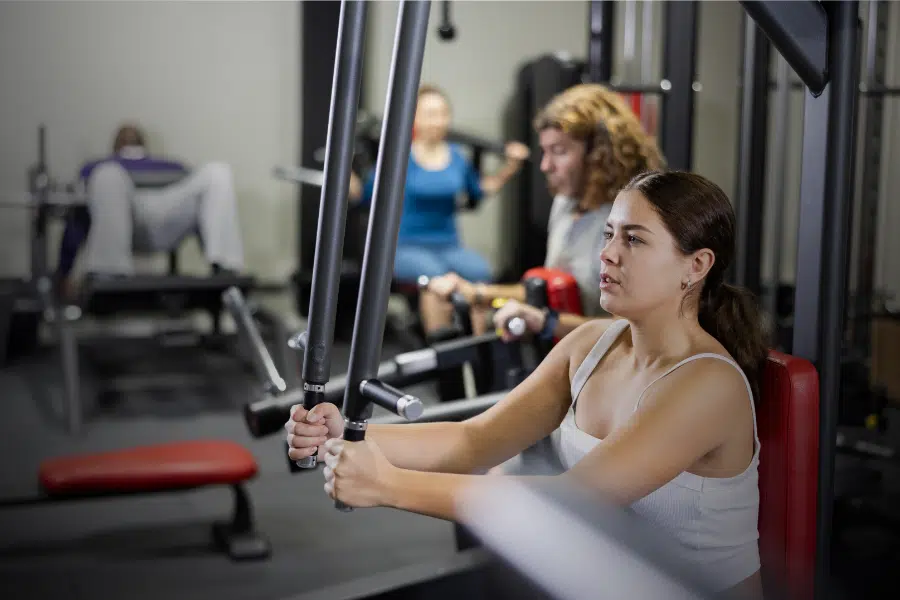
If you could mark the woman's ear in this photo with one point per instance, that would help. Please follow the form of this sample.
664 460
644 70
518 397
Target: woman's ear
701 262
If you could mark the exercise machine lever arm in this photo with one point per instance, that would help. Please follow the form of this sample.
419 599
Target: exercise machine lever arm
262 361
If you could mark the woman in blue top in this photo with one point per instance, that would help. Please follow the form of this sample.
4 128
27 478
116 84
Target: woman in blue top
437 178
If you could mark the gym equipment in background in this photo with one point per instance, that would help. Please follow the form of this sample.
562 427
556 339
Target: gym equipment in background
267 414
172 294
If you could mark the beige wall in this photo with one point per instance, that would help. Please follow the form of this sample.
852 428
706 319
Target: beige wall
219 81
208 80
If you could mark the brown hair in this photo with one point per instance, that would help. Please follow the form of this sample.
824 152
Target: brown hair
699 215
617 145
128 135
430 88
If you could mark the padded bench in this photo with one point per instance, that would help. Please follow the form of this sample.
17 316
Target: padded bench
171 467
145 293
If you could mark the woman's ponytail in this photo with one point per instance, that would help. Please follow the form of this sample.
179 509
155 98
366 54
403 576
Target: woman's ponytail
731 315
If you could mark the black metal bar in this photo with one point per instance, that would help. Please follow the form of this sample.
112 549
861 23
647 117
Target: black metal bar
458 410
39 187
844 32
776 203
474 141
384 218
267 415
319 29
811 230
333 205
879 90
536 295
646 89
867 232
799 30
751 185
446 30
679 69
387 396
600 40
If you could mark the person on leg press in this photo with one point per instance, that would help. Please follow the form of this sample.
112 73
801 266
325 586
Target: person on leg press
137 202
592 144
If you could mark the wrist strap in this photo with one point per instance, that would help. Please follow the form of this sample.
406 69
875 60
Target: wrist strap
551 319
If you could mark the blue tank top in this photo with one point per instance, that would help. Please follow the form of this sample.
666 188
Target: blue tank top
431 199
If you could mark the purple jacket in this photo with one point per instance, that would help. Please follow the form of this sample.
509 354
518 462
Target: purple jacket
147 172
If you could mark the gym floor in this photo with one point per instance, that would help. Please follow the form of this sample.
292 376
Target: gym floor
159 546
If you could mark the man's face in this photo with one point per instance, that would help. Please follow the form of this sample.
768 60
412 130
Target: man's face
562 162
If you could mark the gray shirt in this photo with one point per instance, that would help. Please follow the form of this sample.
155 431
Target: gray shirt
573 245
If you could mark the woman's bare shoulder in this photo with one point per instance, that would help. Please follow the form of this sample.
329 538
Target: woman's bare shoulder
585 336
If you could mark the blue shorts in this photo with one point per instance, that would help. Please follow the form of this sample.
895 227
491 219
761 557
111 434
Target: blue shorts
411 262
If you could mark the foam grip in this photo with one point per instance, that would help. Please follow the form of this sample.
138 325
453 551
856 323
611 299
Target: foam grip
562 289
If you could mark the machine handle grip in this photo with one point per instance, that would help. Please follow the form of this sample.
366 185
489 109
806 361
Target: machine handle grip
387 396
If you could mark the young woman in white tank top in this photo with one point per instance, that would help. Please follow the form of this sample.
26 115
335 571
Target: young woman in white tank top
653 410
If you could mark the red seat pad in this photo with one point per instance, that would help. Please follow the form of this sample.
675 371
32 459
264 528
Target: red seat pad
788 419
563 294
149 468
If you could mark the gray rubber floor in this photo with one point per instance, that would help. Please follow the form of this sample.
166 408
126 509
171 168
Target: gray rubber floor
159 546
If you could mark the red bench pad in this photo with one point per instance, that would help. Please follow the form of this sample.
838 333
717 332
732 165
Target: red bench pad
788 421
149 468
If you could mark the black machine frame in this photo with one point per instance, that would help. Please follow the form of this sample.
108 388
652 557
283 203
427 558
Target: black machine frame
821 43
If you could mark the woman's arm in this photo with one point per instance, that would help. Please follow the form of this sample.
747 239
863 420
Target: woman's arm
493 183
491 292
698 410
478 185
530 412
360 191
676 428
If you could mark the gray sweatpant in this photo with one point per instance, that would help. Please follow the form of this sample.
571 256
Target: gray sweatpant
125 219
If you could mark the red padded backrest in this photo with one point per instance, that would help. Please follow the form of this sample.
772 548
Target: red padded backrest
788 421
562 289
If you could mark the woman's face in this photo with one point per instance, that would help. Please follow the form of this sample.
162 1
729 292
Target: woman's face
432 118
562 162
641 267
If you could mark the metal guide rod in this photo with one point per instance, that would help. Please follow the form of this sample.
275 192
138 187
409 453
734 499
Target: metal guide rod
333 204
750 197
249 333
781 126
384 218
844 34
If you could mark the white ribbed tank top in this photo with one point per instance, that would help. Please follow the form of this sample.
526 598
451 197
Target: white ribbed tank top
714 519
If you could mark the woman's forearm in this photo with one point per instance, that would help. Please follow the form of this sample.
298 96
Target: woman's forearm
436 494
493 183
515 291
431 494
444 447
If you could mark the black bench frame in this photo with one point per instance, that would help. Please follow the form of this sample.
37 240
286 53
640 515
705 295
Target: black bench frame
236 536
